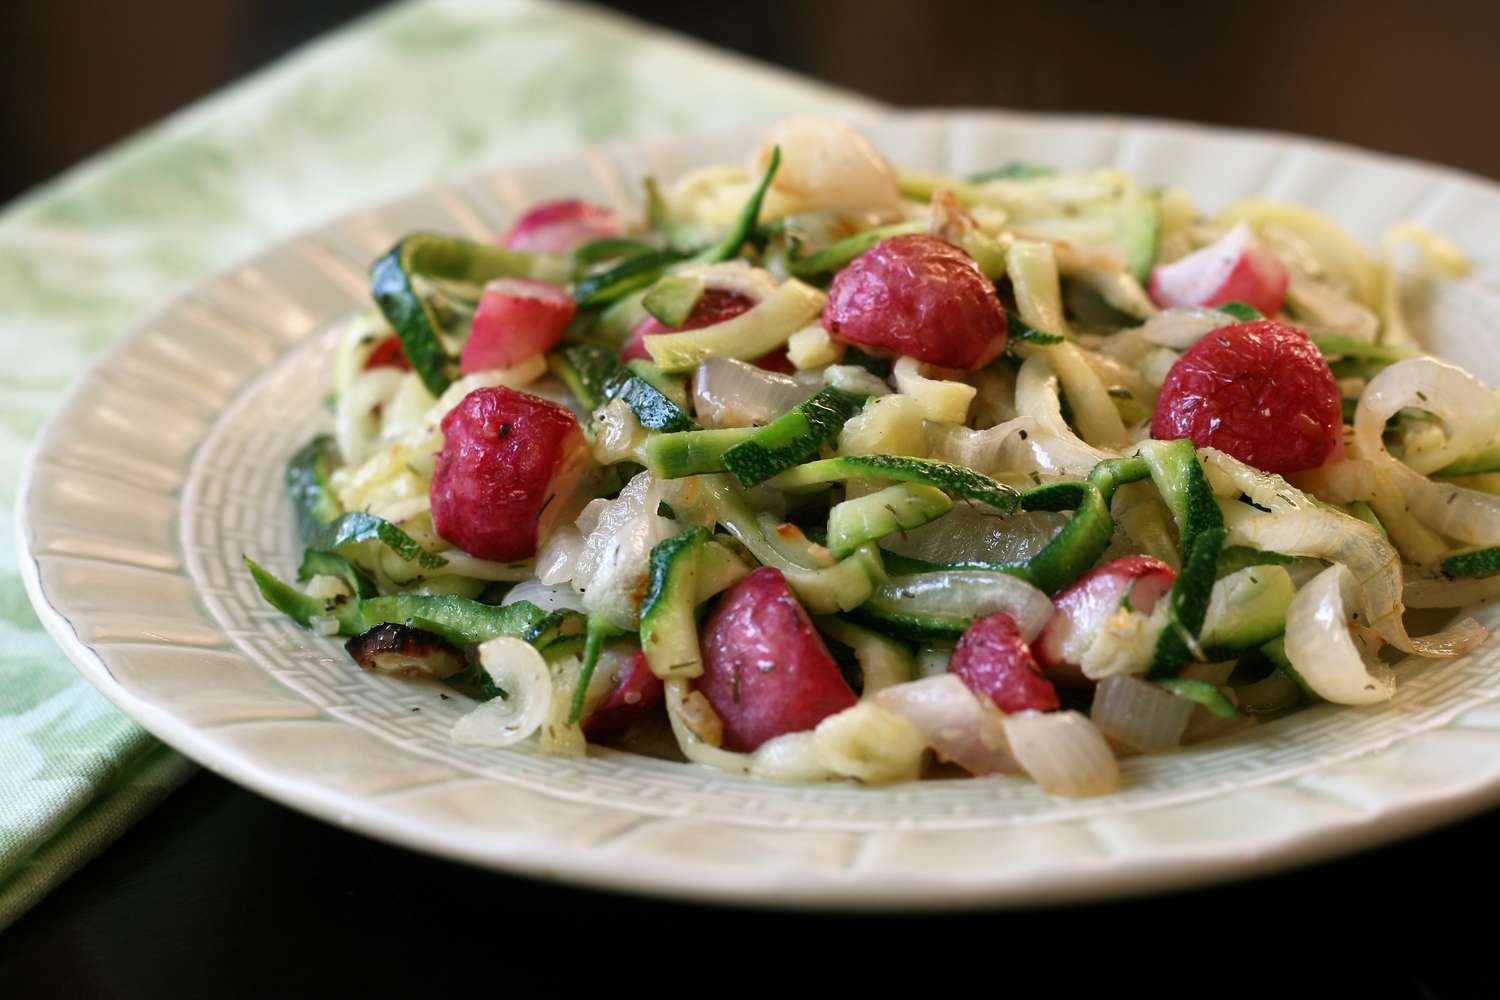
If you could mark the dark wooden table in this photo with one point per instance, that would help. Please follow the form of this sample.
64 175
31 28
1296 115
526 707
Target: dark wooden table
221 893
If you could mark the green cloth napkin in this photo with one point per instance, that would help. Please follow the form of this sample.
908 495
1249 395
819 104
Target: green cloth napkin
392 103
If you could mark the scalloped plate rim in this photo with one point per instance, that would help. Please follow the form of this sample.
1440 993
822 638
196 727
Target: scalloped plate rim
1418 811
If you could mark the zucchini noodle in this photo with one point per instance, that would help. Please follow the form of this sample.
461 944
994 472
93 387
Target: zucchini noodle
820 470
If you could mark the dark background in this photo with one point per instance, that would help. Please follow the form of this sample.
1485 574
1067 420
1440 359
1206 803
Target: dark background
1419 78
219 893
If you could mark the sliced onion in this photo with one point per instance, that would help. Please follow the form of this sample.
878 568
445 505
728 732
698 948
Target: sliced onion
871 744
357 416
557 559
1037 397
1182 327
790 757
1094 411
1323 651
865 742
1063 752
852 378
974 534
944 401
1322 308
1342 539
601 519
730 393
518 669
993 451
1470 410
1472 414
615 591
559 736
737 276
1059 457
967 730
1157 365
406 410
1116 286
825 164
1298 527
1121 380
995 402
1032 268
618 435
967 594
547 597
1139 714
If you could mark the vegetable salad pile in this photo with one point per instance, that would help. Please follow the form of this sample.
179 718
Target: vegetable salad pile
821 469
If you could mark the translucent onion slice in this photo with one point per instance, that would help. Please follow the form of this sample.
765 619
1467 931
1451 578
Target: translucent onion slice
1063 752
866 742
1183 326
357 416
618 585
1323 651
738 276
1297 526
1472 414
602 519
852 378
1019 446
618 434
871 744
825 164
1037 397
1376 566
966 593
730 393
554 597
557 559
1140 715
944 401
967 730
1094 411
976 534
517 669
1470 410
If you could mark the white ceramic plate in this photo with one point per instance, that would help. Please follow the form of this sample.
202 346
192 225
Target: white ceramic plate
165 465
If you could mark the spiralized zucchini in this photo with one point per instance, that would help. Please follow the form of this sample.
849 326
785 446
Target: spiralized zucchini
734 437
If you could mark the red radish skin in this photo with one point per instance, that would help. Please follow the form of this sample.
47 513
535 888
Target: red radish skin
714 306
1233 269
992 660
1259 391
919 296
559 226
1083 608
636 691
765 670
504 453
388 354
516 318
